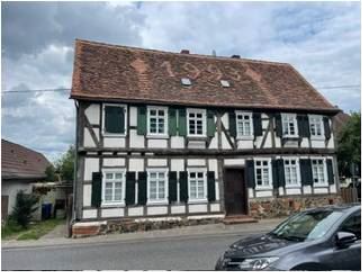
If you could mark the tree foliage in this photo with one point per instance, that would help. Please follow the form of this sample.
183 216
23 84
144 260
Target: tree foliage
50 173
349 144
65 165
25 206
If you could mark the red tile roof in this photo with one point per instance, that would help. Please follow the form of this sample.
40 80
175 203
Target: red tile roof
339 121
19 162
110 72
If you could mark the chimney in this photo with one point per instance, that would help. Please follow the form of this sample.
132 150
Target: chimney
185 51
235 56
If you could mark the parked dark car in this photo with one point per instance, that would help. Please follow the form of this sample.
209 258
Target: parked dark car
326 238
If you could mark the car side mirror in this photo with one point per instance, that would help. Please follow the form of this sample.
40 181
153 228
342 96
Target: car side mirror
344 239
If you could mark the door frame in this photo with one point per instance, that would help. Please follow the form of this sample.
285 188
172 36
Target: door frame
246 189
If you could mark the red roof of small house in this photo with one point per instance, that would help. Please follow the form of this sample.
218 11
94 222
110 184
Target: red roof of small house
339 121
19 162
110 72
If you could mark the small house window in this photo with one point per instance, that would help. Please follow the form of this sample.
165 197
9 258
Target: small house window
263 173
316 126
114 119
157 121
289 124
319 172
291 171
225 83
157 185
244 124
185 81
197 185
113 187
196 122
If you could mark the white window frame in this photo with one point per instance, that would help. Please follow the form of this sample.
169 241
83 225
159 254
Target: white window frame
196 111
297 166
325 175
104 180
270 176
197 170
165 118
312 120
295 122
157 201
244 113
104 132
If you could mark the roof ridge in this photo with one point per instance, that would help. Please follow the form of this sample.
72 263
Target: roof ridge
134 48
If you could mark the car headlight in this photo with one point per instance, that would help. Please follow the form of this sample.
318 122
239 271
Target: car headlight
257 263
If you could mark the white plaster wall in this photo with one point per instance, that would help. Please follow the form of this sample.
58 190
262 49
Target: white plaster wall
225 120
87 194
333 188
331 142
178 209
304 143
234 162
307 189
92 113
133 116
197 208
156 210
136 165
266 193
136 141
293 191
196 144
213 167
291 143
217 190
320 190
11 189
157 143
135 211
257 142
215 207
157 162
87 139
281 191
277 142
196 162
213 142
114 162
177 142
268 141
177 165
245 144
114 141
116 212
224 142
320 143
90 165
88 214
250 193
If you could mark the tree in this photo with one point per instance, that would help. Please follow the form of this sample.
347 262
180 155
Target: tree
65 165
24 208
349 144
50 173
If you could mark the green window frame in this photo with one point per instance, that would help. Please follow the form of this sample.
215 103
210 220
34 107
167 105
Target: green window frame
123 121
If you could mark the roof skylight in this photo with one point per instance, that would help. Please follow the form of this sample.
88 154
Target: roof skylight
225 83
185 81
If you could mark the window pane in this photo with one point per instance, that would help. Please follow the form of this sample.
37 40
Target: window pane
109 175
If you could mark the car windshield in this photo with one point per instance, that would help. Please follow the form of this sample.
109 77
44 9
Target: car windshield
308 225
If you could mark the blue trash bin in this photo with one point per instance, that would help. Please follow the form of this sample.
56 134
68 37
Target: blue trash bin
46 211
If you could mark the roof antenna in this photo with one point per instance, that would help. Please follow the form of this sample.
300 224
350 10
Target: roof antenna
214 53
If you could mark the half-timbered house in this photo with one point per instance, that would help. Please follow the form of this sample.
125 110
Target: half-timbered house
181 135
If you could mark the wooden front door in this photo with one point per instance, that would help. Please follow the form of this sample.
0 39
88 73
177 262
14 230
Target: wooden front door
236 201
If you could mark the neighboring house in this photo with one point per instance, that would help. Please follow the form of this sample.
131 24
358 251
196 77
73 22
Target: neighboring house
20 167
178 135
339 121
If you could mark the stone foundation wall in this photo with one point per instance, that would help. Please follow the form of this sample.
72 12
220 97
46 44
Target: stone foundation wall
284 206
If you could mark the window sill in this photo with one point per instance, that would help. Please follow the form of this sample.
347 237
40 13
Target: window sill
295 186
245 138
318 138
157 136
113 205
114 135
157 202
197 138
260 188
198 201
320 185
290 137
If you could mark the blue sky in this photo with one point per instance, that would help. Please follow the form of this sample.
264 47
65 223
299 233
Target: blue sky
321 39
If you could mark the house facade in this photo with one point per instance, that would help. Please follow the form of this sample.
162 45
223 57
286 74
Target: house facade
177 135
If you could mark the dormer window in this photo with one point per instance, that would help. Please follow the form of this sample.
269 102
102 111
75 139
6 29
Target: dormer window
225 83
185 81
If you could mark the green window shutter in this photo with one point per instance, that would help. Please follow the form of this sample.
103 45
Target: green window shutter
130 188
249 173
327 128
141 120
211 127
258 130
182 126
172 122
232 123
184 194
330 171
142 188
278 125
306 172
114 119
96 197
172 186
211 194
281 174
303 125
275 174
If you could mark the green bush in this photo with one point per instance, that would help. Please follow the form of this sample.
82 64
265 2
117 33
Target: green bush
24 208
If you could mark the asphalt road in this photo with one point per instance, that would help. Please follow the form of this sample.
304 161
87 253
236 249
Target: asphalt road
179 253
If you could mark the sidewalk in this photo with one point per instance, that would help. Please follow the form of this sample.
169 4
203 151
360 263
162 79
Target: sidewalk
183 233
